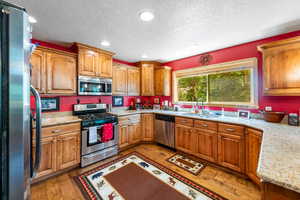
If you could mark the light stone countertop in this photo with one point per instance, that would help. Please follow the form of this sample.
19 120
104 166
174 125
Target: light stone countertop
53 121
279 160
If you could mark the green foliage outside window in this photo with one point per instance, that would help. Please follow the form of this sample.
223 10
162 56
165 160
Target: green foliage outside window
220 87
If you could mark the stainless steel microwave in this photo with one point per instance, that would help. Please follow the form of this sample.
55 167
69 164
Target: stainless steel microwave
94 86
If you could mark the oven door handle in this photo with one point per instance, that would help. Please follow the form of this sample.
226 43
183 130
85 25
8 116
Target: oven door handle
87 128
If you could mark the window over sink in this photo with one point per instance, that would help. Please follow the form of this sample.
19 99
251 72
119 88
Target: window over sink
225 84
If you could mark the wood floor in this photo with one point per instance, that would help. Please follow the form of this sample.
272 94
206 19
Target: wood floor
226 184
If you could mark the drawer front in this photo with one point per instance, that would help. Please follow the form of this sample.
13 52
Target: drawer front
135 118
184 121
61 129
123 120
208 125
231 129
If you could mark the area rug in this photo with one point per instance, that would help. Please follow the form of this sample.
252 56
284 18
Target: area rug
187 163
136 177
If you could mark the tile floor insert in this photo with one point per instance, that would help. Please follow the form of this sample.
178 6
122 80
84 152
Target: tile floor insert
187 163
225 184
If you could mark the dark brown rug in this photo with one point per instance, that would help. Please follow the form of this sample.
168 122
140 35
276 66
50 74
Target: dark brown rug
187 163
136 177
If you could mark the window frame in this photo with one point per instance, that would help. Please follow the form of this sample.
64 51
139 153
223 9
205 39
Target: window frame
238 65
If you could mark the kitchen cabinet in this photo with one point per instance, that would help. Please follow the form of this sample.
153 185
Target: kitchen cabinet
184 139
231 151
147 77
275 192
60 149
54 71
147 127
119 80
133 83
68 150
61 74
281 66
38 80
48 156
134 131
162 81
93 61
105 65
253 143
206 144
129 130
126 80
123 136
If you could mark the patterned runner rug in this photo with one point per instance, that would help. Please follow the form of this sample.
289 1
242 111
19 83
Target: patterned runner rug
136 177
186 163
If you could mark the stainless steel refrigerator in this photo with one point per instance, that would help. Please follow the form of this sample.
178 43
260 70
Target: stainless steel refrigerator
17 165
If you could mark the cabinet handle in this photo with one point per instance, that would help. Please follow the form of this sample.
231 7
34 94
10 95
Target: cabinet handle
55 131
204 125
230 129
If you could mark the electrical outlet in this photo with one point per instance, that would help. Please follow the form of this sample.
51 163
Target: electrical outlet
268 108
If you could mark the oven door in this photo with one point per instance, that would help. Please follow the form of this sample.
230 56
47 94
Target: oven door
90 144
91 87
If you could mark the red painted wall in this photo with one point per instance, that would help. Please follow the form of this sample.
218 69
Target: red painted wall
247 50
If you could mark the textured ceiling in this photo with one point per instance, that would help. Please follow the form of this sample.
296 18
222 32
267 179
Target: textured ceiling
181 28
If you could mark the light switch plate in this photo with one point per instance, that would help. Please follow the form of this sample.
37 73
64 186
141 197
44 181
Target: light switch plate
268 108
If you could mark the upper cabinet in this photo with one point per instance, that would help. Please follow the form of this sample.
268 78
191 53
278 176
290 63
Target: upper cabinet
94 62
53 71
126 80
133 81
281 67
162 81
147 77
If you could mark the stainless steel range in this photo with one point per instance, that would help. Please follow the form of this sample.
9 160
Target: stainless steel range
99 133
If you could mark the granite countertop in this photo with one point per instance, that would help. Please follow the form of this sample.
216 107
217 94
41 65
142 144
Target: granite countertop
52 121
279 160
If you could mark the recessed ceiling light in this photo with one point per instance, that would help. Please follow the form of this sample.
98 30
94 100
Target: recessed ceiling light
105 43
144 56
146 16
32 20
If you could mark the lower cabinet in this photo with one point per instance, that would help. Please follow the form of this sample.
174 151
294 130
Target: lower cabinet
206 144
48 156
135 134
129 130
59 151
68 150
231 151
147 127
184 138
123 136
253 143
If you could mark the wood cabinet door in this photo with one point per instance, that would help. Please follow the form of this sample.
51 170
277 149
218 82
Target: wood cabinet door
133 84
162 82
119 80
184 139
61 74
88 62
48 163
147 127
123 136
147 80
231 151
105 66
281 65
38 73
253 143
68 150
206 144
134 132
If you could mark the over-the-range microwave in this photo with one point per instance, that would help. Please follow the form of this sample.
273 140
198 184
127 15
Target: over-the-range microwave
94 86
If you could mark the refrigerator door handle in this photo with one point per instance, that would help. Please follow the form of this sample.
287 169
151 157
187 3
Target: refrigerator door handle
38 128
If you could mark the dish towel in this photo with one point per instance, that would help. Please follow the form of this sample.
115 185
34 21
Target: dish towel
107 133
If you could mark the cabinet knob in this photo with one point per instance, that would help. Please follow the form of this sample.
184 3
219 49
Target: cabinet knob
230 129
56 131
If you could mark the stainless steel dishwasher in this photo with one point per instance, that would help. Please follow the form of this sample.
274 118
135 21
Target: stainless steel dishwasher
164 130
